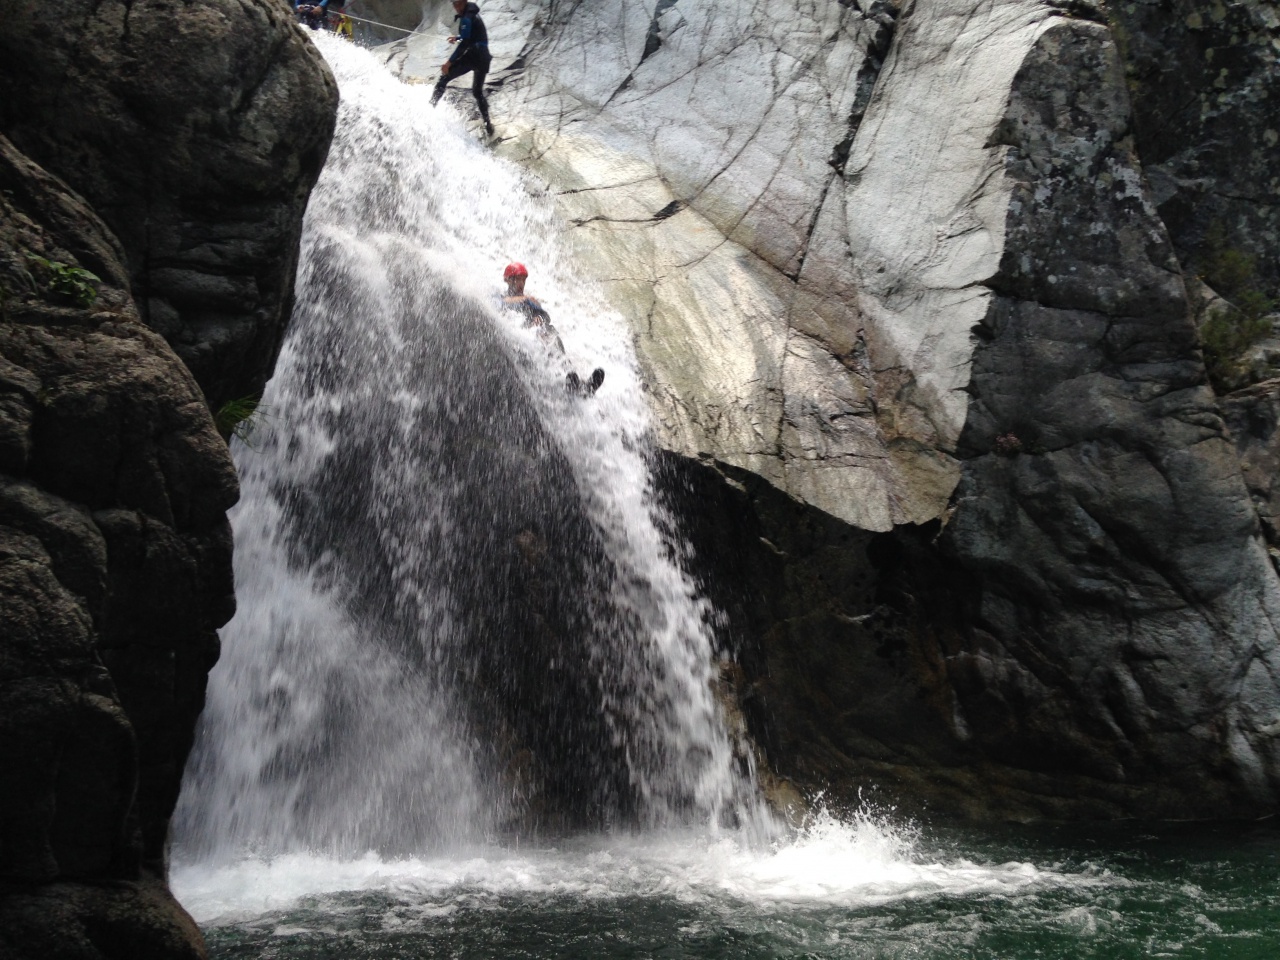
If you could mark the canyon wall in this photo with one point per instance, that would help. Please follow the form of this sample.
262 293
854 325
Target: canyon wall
919 289
910 286
155 161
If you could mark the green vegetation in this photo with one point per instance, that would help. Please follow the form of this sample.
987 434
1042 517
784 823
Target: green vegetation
65 282
1229 329
238 418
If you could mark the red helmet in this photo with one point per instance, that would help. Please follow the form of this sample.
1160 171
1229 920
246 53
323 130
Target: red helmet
515 270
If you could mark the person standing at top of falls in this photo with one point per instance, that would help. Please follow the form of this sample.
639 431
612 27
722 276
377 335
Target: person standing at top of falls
538 320
470 55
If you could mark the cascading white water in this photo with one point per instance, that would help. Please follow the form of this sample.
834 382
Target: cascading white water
441 555
460 621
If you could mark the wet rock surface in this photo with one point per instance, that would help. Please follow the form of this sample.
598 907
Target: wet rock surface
98 922
697 148
921 268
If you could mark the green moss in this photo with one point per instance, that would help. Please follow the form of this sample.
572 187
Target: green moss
1228 330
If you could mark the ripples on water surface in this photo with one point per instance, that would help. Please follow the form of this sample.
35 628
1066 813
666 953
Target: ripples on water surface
839 891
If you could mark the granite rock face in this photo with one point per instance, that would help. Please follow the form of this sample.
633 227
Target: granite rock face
909 285
1125 627
189 136
1253 417
1206 103
195 131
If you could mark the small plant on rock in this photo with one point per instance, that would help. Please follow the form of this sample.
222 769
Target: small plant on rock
1226 334
238 418
66 282
1007 445
1230 328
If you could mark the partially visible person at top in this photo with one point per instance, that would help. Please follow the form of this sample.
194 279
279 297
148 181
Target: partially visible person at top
322 13
470 55
537 319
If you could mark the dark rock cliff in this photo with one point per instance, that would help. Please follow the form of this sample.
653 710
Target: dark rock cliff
195 130
167 149
1206 103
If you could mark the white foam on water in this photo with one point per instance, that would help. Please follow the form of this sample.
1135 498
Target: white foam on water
850 865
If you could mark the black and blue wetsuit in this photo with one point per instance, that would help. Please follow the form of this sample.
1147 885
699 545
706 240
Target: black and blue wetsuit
470 55
537 318
315 13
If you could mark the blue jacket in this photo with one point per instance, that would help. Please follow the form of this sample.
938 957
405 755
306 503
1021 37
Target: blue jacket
472 34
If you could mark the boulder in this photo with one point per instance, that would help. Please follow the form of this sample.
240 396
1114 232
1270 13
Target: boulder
116 568
195 130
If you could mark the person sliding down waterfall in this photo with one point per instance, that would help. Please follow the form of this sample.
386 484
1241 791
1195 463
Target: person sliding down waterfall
537 319
470 55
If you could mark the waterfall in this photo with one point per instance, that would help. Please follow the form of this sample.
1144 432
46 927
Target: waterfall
461 609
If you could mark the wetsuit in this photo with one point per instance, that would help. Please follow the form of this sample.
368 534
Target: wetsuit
537 318
471 54
316 15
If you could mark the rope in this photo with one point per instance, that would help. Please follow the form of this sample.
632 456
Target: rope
411 33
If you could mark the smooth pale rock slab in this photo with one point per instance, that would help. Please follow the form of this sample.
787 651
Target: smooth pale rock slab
722 120
926 200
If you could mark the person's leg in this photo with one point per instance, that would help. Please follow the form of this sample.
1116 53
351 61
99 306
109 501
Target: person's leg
477 87
456 69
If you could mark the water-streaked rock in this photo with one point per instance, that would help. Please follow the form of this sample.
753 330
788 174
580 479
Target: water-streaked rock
904 263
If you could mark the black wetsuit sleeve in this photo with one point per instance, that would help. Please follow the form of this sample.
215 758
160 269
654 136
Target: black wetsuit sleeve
465 39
